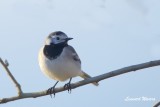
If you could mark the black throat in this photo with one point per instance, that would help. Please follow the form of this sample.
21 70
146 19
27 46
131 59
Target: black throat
53 51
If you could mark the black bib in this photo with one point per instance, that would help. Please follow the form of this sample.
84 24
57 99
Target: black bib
53 51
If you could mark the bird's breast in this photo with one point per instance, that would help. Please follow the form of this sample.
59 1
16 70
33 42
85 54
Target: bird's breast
61 68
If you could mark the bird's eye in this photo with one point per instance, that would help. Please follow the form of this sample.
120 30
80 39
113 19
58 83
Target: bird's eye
57 38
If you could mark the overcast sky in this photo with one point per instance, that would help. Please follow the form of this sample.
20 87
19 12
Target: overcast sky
108 35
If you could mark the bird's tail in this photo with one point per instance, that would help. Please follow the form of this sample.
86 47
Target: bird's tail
85 76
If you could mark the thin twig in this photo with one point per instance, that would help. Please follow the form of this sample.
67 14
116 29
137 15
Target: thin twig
5 65
86 81
157 104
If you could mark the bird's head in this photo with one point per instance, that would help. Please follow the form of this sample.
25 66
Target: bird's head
56 38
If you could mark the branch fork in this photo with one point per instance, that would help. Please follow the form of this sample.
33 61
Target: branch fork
5 64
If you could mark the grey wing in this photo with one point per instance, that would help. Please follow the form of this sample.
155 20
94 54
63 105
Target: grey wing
74 54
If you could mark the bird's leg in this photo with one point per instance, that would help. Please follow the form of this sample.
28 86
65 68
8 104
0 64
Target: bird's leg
68 86
52 90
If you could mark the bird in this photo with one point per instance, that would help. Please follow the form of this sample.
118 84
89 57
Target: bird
59 61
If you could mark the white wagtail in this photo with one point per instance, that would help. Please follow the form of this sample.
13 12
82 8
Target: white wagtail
59 61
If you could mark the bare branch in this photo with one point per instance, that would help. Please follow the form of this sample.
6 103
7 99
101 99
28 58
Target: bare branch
18 86
86 81
157 104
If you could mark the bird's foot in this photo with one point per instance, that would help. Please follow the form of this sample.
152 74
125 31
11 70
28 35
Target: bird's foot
68 87
51 91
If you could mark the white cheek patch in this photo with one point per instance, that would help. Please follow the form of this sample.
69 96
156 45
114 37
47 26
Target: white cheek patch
54 40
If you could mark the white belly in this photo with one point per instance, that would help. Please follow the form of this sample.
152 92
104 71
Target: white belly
59 69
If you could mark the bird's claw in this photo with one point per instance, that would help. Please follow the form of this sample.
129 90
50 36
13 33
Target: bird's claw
51 91
68 87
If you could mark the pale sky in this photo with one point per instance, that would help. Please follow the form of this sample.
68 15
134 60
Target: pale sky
108 35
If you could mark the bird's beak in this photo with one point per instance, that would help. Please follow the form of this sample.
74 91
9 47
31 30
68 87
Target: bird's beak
67 39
